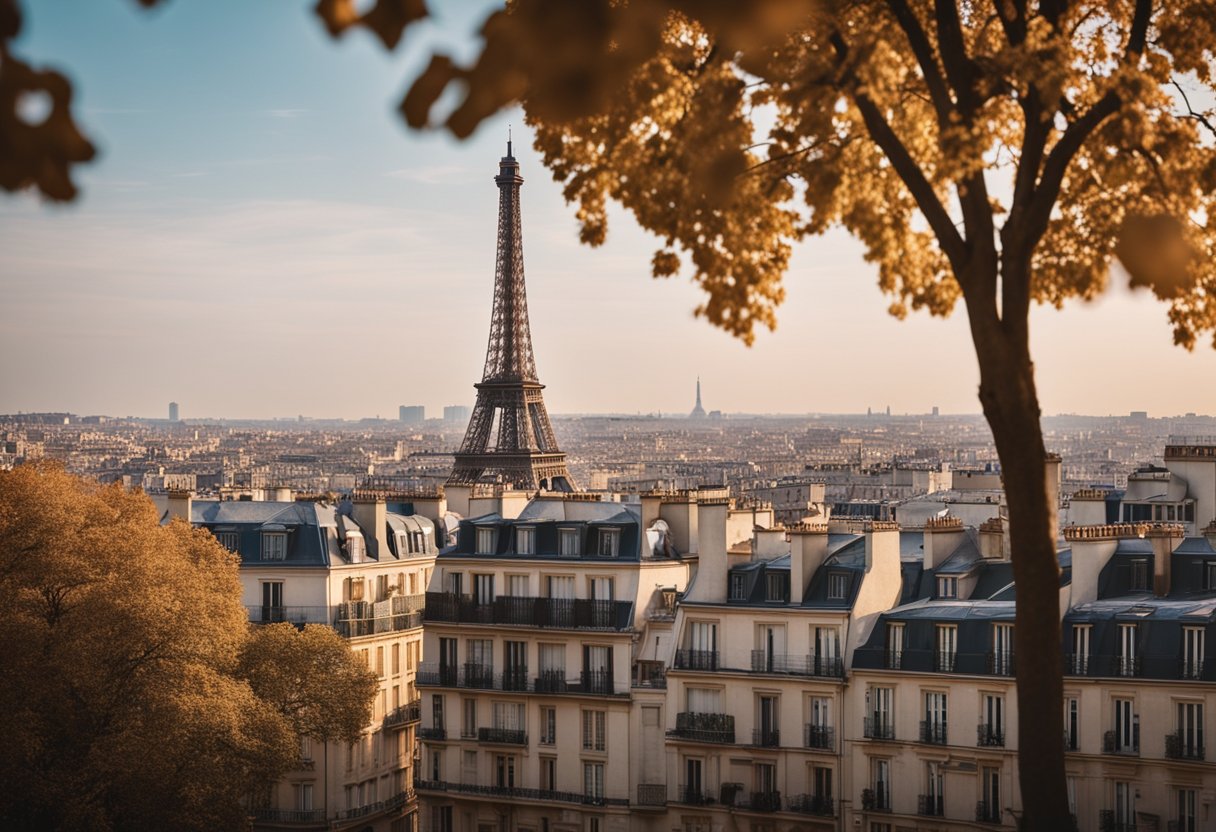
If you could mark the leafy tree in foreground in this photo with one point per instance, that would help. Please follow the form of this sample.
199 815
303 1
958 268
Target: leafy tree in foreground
133 693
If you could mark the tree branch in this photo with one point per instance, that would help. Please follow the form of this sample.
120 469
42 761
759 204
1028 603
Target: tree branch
923 50
960 71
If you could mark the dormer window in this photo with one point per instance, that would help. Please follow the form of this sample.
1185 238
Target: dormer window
354 547
274 546
610 541
525 540
777 586
1209 574
568 542
947 587
485 542
838 586
229 540
1139 577
738 588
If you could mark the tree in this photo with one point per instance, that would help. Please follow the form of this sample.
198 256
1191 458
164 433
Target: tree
132 695
1001 152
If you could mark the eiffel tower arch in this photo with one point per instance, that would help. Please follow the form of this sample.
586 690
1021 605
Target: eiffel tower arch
509 438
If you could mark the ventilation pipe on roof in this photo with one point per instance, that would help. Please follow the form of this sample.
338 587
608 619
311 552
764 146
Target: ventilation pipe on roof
1165 538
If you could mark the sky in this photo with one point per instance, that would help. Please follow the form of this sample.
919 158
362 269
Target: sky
261 236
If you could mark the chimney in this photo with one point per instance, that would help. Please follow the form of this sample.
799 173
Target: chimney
1209 531
280 494
179 504
991 539
808 550
769 543
652 502
1052 464
370 515
1087 507
1092 547
942 537
1165 538
710 583
882 545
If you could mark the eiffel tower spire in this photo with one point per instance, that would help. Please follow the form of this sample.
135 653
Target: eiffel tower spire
509 438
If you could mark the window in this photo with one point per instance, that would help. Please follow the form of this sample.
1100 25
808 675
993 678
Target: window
610 541
455 582
548 774
880 771
934 798
738 587
702 652
504 771
517 586
593 780
992 720
838 586
437 711
826 661
777 585
274 546
548 726
509 716
560 586
600 589
947 587
821 783
594 730
303 797
272 601
1125 804
525 540
229 540
1187 742
934 728
767 731
947 645
1138 582
568 543
1072 723
895 646
396 659
552 659
1209 574
437 764
704 700
1128 663
1192 652
483 589
468 725
764 776
1080 648
485 541
355 548
880 713
1125 739
380 661
1002 649
769 655
1184 810
990 785
468 768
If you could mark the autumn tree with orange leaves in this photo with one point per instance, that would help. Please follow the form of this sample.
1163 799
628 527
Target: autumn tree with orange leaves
1000 153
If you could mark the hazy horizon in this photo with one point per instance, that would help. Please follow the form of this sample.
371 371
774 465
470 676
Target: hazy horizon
261 235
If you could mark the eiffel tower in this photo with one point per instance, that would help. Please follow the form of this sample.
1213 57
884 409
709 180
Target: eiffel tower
509 438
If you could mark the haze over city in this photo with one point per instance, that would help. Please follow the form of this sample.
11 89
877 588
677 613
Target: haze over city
261 237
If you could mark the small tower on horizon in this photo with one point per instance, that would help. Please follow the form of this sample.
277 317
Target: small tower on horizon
698 412
173 412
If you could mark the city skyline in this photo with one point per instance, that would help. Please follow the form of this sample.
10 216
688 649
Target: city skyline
283 178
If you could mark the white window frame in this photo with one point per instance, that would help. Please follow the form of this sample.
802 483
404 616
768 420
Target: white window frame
609 543
274 545
525 540
838 586
485 541
568 543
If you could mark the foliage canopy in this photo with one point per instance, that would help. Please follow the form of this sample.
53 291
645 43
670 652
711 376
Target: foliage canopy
134 695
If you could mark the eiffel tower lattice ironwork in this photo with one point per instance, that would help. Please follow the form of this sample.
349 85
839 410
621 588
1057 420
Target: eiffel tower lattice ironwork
509 438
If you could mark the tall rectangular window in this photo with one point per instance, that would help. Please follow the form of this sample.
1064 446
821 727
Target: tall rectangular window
274 546
880 710
485 541
1080 648
525 540
548 774
468 727
1128 659
593 780
1139 576
548 725
272 601
895 646
838 586
1072 723
1126 739
595 734
504 771
934 729
777 585
609 542
990 785
947 647
992 720
1187 743
947 587
1125 804
1184 810
1002 649
880 772
568 543
560 586
1192 652
483 589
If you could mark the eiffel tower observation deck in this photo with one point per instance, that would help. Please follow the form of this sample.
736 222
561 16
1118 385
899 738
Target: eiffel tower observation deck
509 438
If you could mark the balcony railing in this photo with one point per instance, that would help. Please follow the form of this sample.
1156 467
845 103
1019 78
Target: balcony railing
409 712
502 736
697 660
766 737
813 804
1191 669
820 736
1076 664
944 661
930 804
1107 823
705 727
1072 740
989 736
482 677
765 801
1000 663
694 796
894 659
1179 746
879 728
515 793
596 681
1124 665
933 732
388 805
289 815
877 799
515 678
986 812
825 666
432 733
652 794
1114 742
269 614
527 611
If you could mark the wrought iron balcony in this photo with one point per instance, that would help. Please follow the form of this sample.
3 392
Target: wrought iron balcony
388 805
879 728
528 611
697 660
1179 746
1108 823
652 794
1124 665
515 678
765 802
930 804
986 812
820 736
1000 663
307 816
1190 669
1113 742
933 733
944 660
1072 740
596 681
502 736
877 799
550 681
705 727
766 737
694 796
894 659
270 614
813 804
990 736
432 733
1076 664
409 712
478 676
516 793
826 666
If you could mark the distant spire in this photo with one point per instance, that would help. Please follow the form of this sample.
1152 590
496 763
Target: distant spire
509 154
698 412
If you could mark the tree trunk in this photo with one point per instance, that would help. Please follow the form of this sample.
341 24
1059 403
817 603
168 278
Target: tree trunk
1010 402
